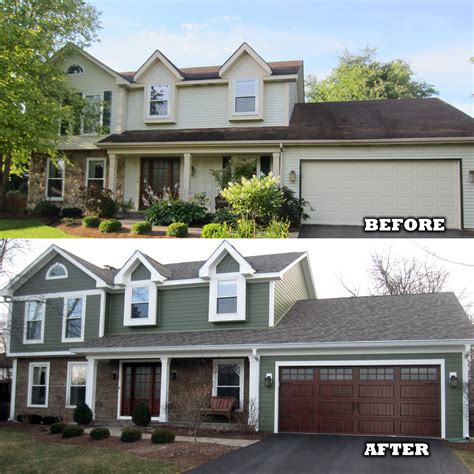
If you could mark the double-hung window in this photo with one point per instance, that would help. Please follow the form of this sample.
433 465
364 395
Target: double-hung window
55 180
228 379
96 172
226 296
73 325
34 321
140 304
159 95
76 384
38 384
245 100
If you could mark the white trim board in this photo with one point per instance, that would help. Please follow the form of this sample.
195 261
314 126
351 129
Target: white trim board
31 367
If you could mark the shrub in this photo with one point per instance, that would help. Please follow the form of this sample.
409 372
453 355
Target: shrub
162 436
224 214
277 229
177 229
130 435
50 420
164 212
34 419
293 208
110 225
46 209
82 414
216 231
245 229
74 212
99 433
57 428
91 221
71 431
97 201
141 228
124 206
141 416
236 169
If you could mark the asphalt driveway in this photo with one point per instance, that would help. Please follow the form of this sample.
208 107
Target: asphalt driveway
331 454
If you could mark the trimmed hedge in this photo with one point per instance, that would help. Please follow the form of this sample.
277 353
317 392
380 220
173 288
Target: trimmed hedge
57 428
141 415
162 436
177 229
216 231
82 414
130 435
74 212
110 225
49 420
46 209
91 221
71 431
141 227
100 433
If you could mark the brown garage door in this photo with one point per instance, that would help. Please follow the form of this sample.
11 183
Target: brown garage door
360 400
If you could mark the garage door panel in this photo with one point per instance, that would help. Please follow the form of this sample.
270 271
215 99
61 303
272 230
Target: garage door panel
419 428
335 408
376 391
376 409
344 192
417 391
376 427
302 424
298 407
335 425
424 410
336 391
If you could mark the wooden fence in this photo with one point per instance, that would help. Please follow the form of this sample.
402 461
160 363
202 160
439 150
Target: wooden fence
16 203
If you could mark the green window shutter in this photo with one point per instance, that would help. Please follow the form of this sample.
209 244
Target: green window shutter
107 112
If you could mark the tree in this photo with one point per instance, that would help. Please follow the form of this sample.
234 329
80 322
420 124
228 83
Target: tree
35 98
361 76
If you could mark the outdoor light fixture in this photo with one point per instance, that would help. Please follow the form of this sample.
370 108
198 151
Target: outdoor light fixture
114 375
453 379
174 375
292 176
268 381
471 176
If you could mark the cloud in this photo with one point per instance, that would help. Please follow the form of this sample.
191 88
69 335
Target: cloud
194 26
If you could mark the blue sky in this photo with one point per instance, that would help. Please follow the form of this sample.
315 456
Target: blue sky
436 37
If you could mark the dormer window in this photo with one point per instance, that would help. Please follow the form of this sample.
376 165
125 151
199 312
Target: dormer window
159 100
56 272
140 304
226 296
75 69
245 100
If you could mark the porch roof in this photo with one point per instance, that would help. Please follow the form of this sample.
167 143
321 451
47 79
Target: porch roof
424 317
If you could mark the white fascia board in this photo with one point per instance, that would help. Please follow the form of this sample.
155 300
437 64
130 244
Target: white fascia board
131 264
281 78
244 48
149 62
41 354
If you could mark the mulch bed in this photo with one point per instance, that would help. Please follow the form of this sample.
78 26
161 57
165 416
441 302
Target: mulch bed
468 446
180 431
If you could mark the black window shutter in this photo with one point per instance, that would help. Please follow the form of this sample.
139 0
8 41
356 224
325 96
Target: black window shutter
107 112
225 161
264 165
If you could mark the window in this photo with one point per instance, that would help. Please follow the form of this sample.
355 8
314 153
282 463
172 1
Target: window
335 373
56 272
419 373
73 325
140 302
297 374
91 114
55 180
159 100
107 111
227 297
376 373
245 101
228 379
34 321
38 382
73 125
76 384
75 69
95 172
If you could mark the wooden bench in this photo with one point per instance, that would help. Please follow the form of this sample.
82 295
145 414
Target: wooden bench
223 406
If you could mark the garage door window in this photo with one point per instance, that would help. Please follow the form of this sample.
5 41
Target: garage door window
297 374
419 373
376 373
335 373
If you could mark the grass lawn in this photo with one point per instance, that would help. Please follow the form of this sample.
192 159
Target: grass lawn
467 457
21 453
28 229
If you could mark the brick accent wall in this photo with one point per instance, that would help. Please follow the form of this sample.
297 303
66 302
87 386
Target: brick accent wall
106 395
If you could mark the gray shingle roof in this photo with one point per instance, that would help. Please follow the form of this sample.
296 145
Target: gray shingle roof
373 318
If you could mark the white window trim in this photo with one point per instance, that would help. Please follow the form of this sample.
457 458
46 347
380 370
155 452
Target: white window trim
63 334
127 318
30 383
147 94
241 363
99 158
25 328
59 277
70 365
257 96
240 315
61 163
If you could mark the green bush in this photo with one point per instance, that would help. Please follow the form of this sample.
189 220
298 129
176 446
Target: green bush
216 231
110 225
96 201
293 208
277 229
46 209
130 435
74 212
224 214
164 212
177 229
99 433
162 436
71 431
82 414
141 416
91 221
57 428
141 228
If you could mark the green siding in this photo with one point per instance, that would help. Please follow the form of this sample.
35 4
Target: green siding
187 309
227 265
292 287
37 284
454 402
53 325
140 273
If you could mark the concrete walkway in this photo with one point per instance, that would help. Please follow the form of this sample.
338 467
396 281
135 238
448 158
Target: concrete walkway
237 443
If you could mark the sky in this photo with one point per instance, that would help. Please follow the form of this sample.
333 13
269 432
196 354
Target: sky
434 36
331 259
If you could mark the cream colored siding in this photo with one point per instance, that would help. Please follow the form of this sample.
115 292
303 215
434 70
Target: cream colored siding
202 180
465 153
132 179
293 97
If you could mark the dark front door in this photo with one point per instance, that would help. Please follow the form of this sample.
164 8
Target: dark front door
141 384
369 400
159 174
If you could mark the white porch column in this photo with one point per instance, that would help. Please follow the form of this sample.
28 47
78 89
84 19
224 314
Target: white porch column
465 390
91 383
185 191
254 389
113 173
165 388
276 164
13 390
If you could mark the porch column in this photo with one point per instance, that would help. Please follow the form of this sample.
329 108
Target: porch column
13 390
185 191
165 388
254 389
91 383
276 164
113 173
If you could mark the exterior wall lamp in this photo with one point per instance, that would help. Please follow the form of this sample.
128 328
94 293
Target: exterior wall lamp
453 379
268 380
292 176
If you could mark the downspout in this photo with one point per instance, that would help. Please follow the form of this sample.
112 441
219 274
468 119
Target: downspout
281 162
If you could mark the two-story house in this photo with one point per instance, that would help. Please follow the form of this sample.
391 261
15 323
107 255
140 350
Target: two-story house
166 127
248 327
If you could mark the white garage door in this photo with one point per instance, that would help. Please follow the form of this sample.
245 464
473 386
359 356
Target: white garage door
344 192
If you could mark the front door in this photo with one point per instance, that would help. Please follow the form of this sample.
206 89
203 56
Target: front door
159 174
141 384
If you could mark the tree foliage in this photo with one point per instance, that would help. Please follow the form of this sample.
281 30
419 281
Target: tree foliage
362 76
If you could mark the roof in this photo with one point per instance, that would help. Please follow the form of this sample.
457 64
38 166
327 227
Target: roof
435 316
356 120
